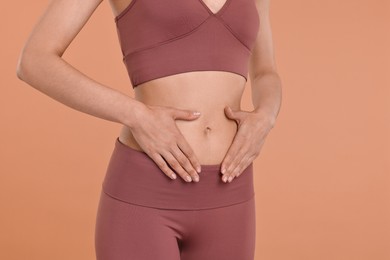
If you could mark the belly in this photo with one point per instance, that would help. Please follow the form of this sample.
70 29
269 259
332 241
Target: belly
211 135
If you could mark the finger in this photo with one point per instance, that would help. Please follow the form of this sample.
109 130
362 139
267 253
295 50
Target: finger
243 164
233 114
247 162
238 170
187 150
231 154
184 114
176 166
184 162
162 165
234 163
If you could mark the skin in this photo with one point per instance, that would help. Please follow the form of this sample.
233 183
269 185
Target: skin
160 119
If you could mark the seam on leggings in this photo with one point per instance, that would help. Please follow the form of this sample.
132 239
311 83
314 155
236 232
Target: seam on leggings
161 208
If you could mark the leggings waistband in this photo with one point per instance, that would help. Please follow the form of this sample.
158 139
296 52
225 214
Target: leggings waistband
132 176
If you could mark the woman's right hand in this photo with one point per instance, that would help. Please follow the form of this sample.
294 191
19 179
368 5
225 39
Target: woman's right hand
41 66
156 133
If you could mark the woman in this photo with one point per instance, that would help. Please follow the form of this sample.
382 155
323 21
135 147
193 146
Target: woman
182 57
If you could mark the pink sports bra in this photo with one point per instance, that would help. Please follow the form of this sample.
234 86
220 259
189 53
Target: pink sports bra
167 37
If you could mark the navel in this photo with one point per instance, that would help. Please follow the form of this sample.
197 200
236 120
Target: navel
207 130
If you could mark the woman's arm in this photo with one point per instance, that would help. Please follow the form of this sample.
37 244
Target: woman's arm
254 126
41 66
265 81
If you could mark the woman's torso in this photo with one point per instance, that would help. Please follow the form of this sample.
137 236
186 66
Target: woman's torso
205 91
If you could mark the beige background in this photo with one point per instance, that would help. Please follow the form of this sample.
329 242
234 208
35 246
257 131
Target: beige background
322 178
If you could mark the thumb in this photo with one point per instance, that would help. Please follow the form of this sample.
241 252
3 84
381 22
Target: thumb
232 114
184 114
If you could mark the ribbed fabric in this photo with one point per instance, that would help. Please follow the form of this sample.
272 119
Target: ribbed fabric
162 38
132 176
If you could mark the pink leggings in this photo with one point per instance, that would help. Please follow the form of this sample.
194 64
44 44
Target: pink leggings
145 215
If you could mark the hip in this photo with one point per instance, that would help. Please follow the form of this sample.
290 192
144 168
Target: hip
133 177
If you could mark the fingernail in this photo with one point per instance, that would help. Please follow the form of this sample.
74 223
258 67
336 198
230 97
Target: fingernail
188 178
173 176
196 113
198 169
223 170
196 178
224 178
230 179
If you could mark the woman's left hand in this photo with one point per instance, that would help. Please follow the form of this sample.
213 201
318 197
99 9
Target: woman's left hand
253 127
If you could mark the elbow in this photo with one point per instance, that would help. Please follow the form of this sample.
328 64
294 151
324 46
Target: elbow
30 63
19 73
27 64
21 66
19 69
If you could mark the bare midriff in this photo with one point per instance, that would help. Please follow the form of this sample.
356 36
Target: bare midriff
208 92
